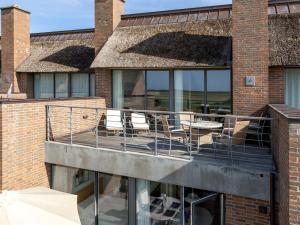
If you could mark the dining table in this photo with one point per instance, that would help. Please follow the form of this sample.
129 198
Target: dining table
201 131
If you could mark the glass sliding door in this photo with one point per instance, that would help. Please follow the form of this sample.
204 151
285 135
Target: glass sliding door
157 83
189 90
219 91
129 89
113 200
157 203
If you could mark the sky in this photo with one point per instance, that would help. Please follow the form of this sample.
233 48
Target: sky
55 15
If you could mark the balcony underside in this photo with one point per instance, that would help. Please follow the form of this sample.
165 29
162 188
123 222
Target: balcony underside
243 171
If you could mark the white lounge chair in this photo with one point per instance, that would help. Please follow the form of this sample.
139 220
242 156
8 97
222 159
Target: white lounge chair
114 120
139 122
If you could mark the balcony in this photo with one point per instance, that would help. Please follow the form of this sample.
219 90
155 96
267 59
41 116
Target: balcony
182 148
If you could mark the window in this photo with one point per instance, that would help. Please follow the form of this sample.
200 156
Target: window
157 85
189 90
292 88
92 85
113 200
157 203
129 89
219 91
64 85
81 183
44 85
80 85
61 85
199 91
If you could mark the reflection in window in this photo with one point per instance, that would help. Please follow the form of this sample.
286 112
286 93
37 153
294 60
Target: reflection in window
81 183
157 203
158 90
219 91
201 207
113 200
128 89
189 90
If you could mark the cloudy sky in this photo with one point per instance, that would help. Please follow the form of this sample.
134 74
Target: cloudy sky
53 15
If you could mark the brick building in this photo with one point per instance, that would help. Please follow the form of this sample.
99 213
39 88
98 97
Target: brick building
237 63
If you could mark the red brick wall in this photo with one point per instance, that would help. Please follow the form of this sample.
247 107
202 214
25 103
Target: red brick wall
280 143
107 17
286 145
245 211
15 43
250 55
22 136
294 172
276 85
26 86
104 85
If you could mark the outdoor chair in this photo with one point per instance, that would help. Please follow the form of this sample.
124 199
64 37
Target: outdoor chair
257 129
229 125
114 121
139 123
186 116
238 136
177 134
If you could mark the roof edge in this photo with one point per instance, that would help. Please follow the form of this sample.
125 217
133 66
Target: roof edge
197 9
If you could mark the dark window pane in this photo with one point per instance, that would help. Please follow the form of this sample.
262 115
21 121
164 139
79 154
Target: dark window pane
158 90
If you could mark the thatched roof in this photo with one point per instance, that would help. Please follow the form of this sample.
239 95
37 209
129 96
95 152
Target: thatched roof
59 53
193 44
190 44
284 40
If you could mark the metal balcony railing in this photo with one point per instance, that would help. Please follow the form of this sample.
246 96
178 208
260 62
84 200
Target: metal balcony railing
229 138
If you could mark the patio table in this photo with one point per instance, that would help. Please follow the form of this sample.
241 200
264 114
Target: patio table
203 130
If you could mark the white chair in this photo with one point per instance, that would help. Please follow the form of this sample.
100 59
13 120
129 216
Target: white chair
139 122
114 120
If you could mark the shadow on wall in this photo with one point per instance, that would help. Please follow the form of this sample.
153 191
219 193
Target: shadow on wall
80 57
201 49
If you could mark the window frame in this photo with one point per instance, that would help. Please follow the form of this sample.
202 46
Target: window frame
69 85
171 72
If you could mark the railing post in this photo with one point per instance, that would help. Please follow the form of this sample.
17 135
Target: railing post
71 132
155 122
97 127
124 130
48 122
191 136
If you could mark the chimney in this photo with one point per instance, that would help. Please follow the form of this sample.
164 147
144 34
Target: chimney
250 56
15 42
107 17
